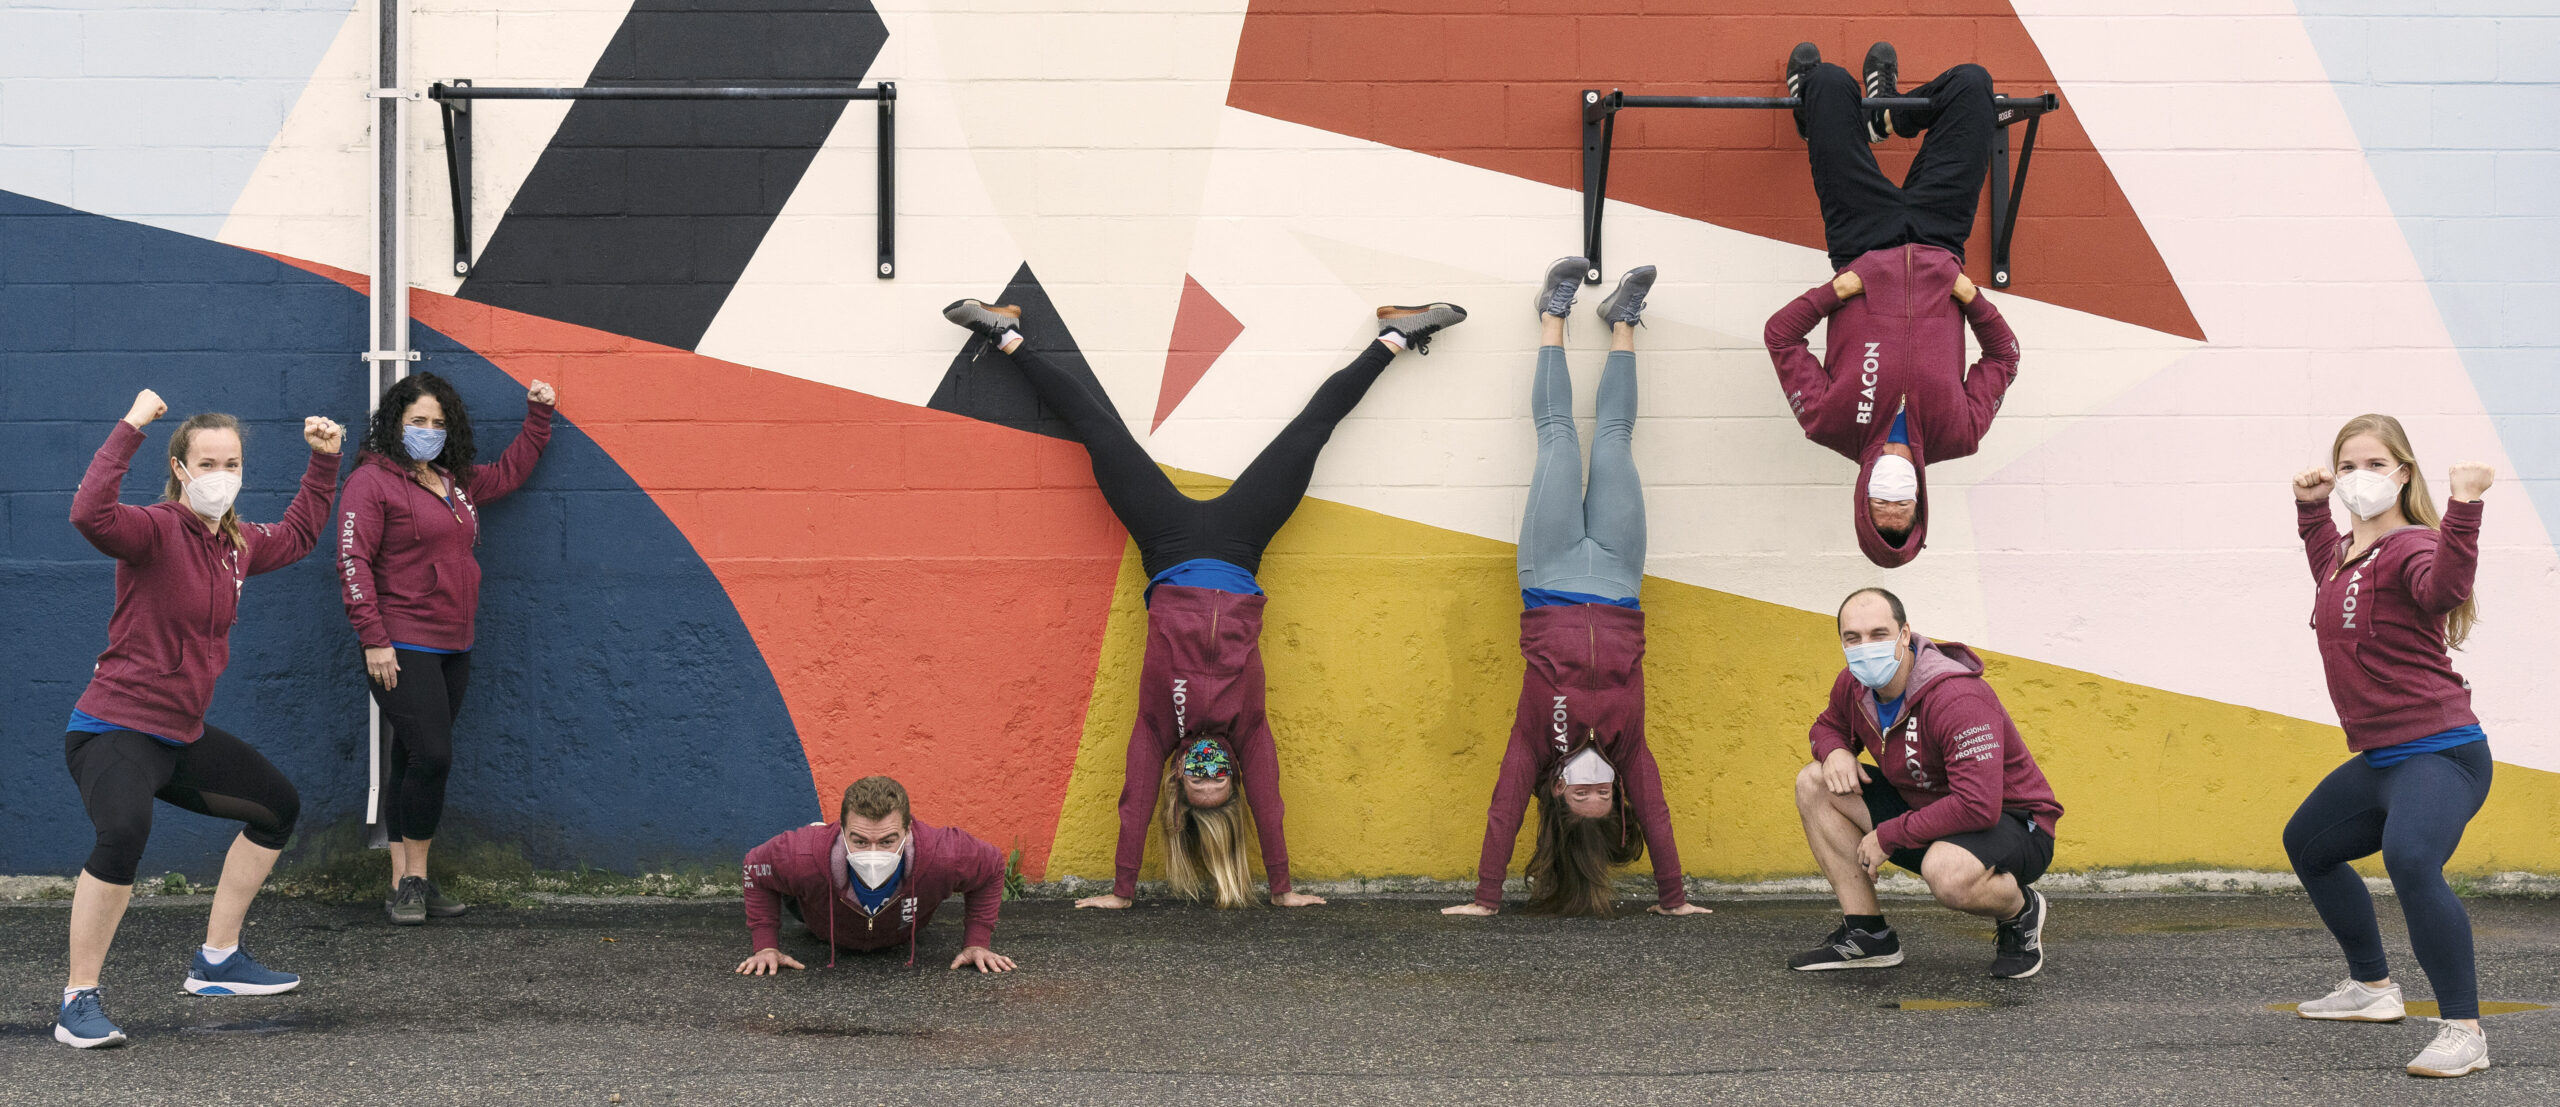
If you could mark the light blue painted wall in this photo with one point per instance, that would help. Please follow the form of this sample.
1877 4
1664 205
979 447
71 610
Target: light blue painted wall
2457 103
155 111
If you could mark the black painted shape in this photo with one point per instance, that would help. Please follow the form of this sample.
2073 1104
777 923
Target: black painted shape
983 384
641 215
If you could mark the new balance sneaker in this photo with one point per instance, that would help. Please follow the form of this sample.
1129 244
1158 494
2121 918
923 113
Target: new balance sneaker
2022 942
987 319
83 1024
1564 282
1882 70
1801 64
407 905
440 905
1626 302
2353 1002
237 975
1851 949
1418 324
2457 1051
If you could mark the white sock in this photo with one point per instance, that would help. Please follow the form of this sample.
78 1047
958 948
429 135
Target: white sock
1394 338
1009 341
215 955
68 993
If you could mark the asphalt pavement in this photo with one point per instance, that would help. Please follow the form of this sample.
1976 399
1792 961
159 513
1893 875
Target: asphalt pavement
2145 999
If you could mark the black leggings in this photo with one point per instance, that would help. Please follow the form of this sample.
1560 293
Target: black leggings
1171 528
2412 814
420 715
1861 209
120 772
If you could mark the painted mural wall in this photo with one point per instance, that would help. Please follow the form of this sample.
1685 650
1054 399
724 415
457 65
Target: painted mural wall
792 532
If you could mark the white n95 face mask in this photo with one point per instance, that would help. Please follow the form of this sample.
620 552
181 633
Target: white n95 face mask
1588 767
873 866
1893 479
211 495
2368 493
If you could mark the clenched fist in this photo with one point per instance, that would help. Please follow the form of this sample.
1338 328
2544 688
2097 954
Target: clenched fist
1965 292
2469 479
1847 284
147 406
541 393
324 435
2314 484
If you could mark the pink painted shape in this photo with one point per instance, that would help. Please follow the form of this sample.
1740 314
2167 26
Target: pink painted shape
1203 328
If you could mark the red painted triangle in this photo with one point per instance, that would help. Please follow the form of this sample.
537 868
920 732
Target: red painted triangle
1203 328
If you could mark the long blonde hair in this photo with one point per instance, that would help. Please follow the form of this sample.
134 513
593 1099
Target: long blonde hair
1207 852
180 441
2415 502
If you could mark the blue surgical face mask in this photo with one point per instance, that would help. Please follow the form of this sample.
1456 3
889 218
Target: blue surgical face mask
423 443
1874 663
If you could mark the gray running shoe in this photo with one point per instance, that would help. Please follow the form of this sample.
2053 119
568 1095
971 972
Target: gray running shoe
408 903
1563 283
1851 949
1418 324
2353 1002
1626 302
440 905
2457 1051
987 319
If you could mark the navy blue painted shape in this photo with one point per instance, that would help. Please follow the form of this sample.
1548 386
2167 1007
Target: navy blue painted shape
619 715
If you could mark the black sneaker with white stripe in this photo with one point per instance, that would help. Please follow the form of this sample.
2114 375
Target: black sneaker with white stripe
1883 69
1801 64
2022 942
1851 949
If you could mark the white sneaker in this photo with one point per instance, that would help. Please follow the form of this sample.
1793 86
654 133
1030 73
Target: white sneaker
2457 1051
2353 1002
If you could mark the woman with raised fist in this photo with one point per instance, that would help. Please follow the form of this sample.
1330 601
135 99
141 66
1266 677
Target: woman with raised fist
409 572
139 731
2394 596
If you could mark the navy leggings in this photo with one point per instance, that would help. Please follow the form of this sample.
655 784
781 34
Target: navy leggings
2413 814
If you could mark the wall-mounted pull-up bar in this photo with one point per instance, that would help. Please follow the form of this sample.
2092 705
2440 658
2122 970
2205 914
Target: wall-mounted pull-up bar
456 97
1599 124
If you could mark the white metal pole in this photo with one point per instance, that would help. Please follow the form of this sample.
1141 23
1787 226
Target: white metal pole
387 353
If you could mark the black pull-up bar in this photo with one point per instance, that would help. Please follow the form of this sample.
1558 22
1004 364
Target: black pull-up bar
1600 123
456 97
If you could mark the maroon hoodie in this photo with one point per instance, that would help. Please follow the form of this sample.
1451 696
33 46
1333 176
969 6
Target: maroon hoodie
178 589
406 565
2380 619
808 866
1954 755
1895 347
1583 686
1202 678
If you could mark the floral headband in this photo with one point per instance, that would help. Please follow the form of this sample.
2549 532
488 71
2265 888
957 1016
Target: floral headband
1207 760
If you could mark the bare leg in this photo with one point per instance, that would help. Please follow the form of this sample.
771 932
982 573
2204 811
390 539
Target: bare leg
244 871
97 907
1963 883
1832 826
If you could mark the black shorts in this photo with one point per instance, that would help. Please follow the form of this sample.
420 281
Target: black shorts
2015 845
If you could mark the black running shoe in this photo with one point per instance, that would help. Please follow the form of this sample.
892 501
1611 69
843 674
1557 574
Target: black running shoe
1882 69
1800 65
1851 949
2022 942
1418 324
985 318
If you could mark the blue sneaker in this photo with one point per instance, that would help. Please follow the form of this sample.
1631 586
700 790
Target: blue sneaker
83 1022
237 975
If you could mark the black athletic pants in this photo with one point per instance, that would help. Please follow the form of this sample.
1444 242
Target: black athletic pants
120 772
420 715
1863 211
2413 814
1171 528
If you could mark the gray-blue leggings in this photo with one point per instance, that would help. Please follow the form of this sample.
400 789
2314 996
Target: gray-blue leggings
1573 539
2413 814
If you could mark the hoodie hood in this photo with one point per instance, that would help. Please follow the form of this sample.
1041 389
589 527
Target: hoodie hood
1933 660
1878 548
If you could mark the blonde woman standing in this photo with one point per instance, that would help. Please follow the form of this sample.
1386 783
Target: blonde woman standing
2394 594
